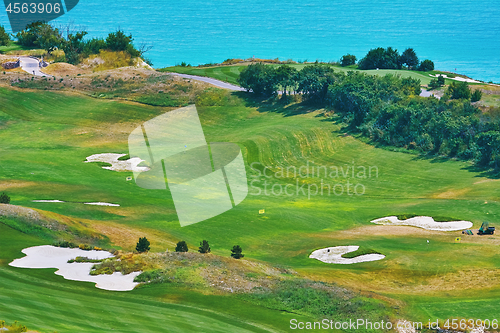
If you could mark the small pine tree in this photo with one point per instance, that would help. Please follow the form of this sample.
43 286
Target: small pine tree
236 252
181 247
204 247
440 80
4 198
476 96
142 245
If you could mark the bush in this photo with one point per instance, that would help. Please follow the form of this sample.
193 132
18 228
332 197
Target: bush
4 37
65 244
236 252
142 245
348 60
476 96
381 58
440 80
181 247
459 90
4 198
204 247
426 66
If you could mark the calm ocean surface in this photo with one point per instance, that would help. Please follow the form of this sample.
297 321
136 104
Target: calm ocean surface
456 34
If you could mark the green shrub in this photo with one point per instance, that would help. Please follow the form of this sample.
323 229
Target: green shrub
142 245
4 198
348 60
181 247
476 96
204 247
64 244
236 252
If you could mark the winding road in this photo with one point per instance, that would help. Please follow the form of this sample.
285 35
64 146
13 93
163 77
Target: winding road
217 83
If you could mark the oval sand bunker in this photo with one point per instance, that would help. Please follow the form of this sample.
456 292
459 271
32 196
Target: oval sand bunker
47 256
333 255
425 222
116 164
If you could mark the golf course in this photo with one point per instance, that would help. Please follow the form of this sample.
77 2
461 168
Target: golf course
422 275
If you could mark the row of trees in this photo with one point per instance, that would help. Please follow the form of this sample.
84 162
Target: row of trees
143 246
49 38
388 109
390 58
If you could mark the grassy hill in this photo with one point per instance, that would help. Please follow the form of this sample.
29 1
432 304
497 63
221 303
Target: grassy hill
46 136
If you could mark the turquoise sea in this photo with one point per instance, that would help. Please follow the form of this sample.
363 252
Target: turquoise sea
459 35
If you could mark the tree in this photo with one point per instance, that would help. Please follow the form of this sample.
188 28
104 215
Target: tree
142 245
118 41
4 37
314 80
476 96
426 66
181 247
380 58
73 46
348 60
440 80
204 247
409 58
4 198
459 90
284 77
259 78
236 252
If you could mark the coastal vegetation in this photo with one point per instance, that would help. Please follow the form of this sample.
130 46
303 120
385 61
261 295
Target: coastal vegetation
389 111
46 36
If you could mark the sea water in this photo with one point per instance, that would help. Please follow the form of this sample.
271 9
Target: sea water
458 35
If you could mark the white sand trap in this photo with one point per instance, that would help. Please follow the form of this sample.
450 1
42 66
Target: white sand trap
102 204
117 165
47 201
333 255
457 78
47 256
425 222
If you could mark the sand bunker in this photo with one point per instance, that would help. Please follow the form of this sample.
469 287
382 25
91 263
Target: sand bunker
102 204
333 255
47 256
425 222
117 165
85 203
457 78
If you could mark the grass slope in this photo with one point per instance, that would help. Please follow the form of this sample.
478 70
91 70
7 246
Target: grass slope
59 130
50 303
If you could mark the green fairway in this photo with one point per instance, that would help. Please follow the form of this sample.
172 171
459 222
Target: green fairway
231 73
47 136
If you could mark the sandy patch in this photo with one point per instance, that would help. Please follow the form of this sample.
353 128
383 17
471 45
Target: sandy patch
457 78
333 255
425 222
117 165
102 204
63 69
15 184
47 256
85 203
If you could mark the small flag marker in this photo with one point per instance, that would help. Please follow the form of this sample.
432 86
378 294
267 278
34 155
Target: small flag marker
458 239
262 211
